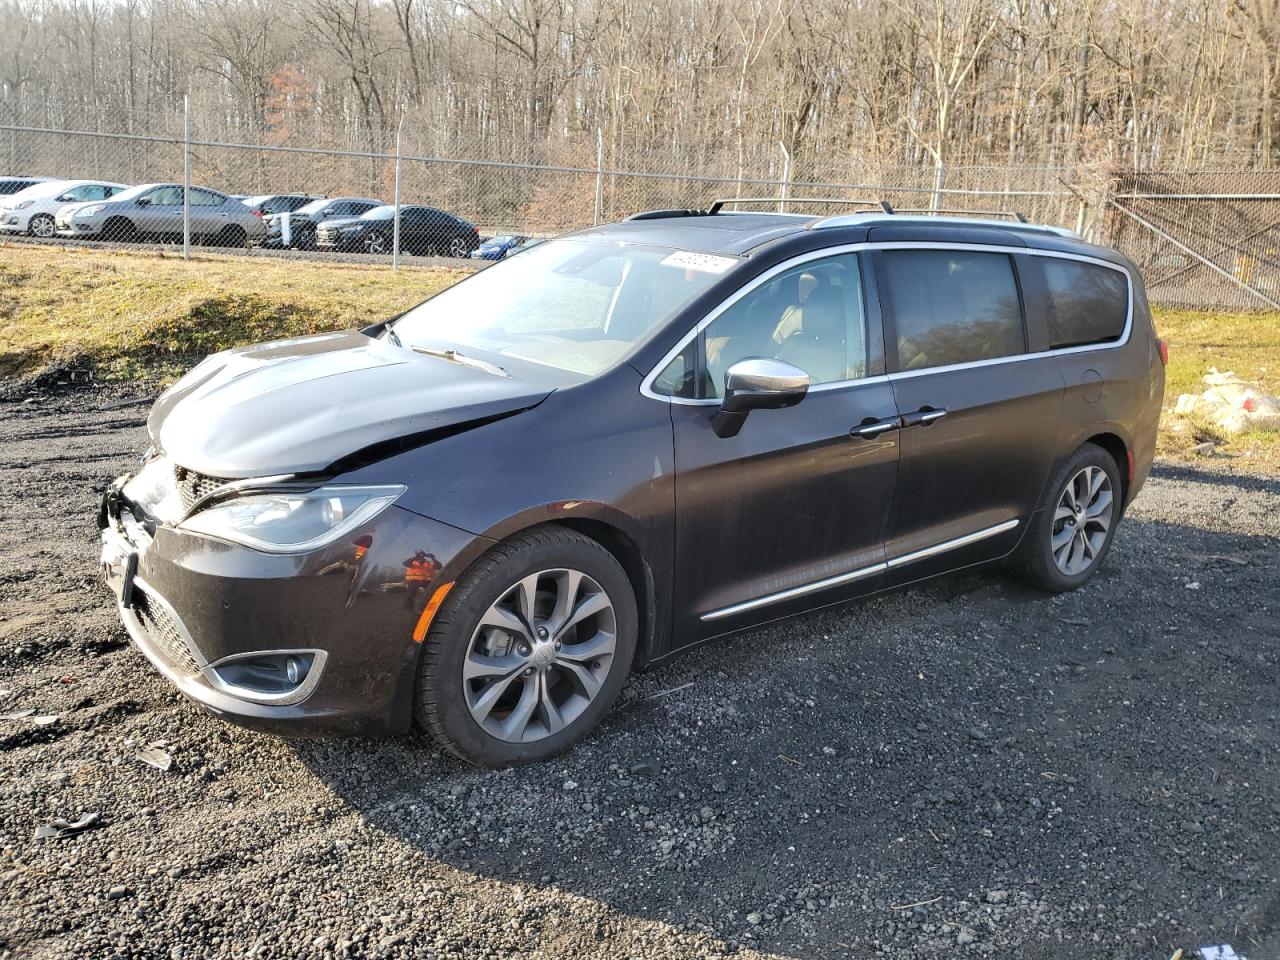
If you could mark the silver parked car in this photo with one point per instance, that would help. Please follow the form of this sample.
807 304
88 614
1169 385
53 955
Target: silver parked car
154 211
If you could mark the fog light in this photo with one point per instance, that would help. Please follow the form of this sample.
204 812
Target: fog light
296 670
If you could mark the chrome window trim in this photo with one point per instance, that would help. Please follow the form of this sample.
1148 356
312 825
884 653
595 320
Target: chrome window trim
646 385
842 578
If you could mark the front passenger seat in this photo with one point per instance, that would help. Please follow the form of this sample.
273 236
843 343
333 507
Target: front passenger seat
819 348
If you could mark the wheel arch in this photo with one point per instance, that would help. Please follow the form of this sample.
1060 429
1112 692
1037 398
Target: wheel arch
615 532
1121 453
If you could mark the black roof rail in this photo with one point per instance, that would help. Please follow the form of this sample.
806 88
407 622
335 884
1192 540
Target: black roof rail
720 202
667 214
955 212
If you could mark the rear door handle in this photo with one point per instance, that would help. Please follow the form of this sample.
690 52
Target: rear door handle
923 417
871 428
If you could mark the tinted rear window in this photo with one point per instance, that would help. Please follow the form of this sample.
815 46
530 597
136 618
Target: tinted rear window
952 306
1087 303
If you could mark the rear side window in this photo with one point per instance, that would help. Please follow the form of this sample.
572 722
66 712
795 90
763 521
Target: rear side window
952 306
1087 303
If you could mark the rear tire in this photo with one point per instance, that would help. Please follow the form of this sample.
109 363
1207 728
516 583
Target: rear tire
457 247
529 650
1072 531
232 235
41 225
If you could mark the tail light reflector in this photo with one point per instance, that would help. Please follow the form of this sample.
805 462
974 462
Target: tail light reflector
1163 347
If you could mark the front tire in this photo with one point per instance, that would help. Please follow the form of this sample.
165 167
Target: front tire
529 650
41 225
1072 532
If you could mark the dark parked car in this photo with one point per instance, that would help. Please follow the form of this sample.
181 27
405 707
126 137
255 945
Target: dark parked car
495 248
303 221
10 185
481 515
424 231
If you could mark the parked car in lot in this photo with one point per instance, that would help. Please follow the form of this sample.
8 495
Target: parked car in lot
495 248
11 185
32 210
424 231
481 515
303 221
155 211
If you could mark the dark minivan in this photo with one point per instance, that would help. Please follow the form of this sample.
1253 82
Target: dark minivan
481 515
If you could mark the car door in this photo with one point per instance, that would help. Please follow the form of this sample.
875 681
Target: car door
210 212
162 211
981 410
790 512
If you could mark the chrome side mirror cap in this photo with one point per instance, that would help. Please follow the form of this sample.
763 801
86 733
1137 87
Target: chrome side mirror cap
757 383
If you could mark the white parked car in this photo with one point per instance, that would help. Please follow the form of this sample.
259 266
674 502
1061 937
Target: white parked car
32 210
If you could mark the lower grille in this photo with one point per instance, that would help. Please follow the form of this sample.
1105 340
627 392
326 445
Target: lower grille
163 632
193 486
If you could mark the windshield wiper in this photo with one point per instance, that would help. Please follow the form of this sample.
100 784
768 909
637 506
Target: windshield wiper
453 356
392 335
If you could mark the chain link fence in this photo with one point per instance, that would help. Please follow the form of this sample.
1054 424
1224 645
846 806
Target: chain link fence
1203 239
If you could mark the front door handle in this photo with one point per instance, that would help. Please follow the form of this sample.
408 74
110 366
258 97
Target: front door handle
871 428
923 417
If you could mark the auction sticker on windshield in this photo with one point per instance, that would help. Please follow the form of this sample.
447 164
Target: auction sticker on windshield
705 262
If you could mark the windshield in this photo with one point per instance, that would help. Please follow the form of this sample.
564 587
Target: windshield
315 206
576 305
384 212
501 240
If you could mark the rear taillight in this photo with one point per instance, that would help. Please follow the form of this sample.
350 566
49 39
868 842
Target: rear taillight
1164 352
258 214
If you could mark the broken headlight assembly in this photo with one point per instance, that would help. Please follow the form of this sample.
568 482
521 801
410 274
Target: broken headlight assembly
287 522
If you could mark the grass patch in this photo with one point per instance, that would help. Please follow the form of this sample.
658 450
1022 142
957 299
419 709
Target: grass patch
126 315
1249 344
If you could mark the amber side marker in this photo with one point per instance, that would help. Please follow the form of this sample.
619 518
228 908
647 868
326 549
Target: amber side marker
429 611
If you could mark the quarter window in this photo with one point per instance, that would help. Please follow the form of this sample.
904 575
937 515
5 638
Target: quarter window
810 316
1087 303
952 306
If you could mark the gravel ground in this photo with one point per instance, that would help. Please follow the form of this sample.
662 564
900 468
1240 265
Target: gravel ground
966 769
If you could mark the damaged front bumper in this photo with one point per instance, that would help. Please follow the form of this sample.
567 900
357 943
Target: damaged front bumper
300 644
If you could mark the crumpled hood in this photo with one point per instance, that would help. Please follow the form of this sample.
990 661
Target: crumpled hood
297 406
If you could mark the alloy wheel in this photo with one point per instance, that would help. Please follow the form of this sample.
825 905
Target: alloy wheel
540 655
42 226
1081 521
457 247
377 244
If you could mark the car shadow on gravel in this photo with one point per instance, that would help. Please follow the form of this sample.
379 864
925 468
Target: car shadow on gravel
966 764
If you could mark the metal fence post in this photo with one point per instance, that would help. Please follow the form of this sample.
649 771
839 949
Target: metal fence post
186 178
939 178
786 177
599 173
395 224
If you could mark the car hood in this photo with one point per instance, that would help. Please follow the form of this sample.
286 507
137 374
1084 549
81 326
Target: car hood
298 406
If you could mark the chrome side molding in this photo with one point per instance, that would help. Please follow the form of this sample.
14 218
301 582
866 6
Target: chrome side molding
842 578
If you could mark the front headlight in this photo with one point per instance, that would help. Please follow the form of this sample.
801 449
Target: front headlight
292 522
23 205
90 210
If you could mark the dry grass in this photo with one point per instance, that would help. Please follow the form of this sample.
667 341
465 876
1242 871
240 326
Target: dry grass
129 314
1249 344
125 315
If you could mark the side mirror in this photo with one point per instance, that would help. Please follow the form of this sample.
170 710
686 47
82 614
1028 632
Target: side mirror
757 383
144 201
66 198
